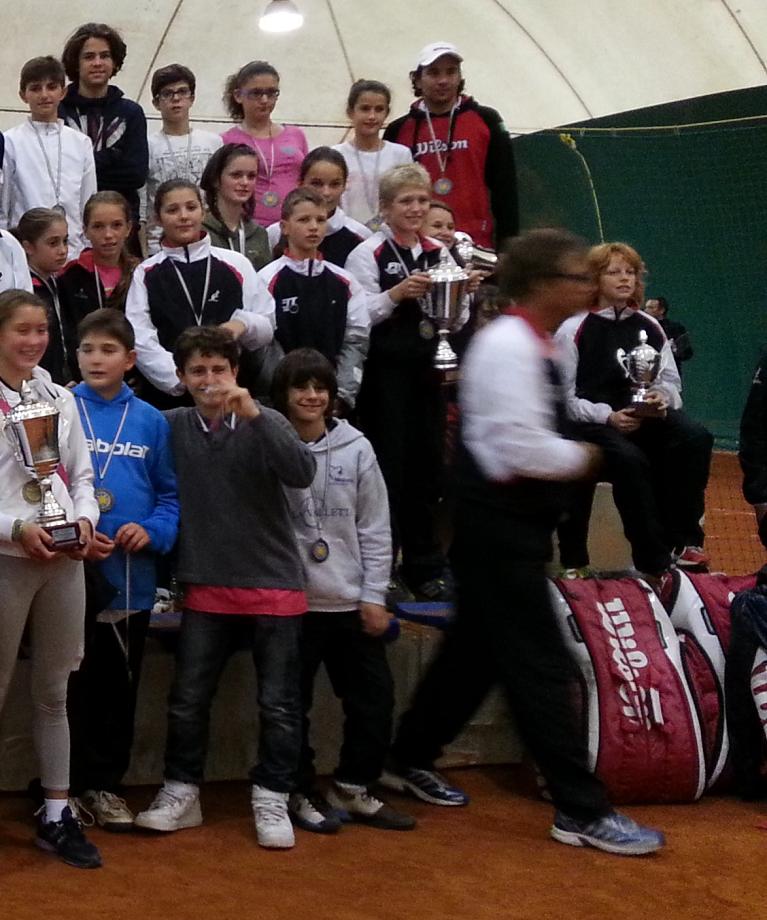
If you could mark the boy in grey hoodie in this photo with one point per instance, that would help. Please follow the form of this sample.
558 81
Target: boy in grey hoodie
342 529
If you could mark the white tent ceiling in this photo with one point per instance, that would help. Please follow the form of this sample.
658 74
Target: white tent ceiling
540 62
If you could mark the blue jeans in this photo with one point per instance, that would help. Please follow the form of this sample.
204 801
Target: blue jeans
205 644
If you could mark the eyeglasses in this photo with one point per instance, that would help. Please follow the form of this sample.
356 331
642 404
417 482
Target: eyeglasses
183 93
583 277
258 93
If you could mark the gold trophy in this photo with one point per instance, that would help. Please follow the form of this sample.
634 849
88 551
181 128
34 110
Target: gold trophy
642 366
33 428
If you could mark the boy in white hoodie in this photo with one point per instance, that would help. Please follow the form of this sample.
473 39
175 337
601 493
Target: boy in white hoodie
342 529
47 164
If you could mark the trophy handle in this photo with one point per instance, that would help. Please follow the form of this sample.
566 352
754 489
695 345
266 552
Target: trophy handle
623 360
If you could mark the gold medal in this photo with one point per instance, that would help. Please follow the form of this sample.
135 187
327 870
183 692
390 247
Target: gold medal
375 223
31 492
443 185
319 550
426 329
105 499
270 199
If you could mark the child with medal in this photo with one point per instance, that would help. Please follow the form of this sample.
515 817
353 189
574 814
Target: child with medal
40 588
342 527
400 403
129 442
250 96
243 581
367 156
325 171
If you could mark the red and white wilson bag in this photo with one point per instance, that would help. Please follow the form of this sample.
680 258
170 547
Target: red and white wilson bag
644 736
700 613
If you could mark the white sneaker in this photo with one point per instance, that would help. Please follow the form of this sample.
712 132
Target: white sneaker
270 811
109 810
171 811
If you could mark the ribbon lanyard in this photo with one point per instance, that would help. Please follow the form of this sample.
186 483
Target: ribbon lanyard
395 249
185 289
269 170
231 424
179 173
55 183
99 471
371 197
240 237
442 162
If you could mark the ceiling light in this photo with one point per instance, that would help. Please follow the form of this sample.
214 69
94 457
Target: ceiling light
280 16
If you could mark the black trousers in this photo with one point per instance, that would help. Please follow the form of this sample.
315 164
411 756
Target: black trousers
659 475
504 632
360 676
101 703
401 410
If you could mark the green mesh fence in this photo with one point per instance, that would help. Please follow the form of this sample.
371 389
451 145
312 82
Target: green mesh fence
686 185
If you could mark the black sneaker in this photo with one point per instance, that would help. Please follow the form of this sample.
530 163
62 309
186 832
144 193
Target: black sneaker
66 839
436 590
353 803
312 812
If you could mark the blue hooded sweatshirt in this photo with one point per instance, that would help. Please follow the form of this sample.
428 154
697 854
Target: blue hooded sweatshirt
142 480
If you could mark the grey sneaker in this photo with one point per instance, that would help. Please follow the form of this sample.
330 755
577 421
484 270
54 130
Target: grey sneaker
313 813
355 803
171 811
270 812
613 833
108 809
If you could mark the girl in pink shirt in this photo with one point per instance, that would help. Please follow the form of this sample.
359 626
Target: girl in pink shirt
250 96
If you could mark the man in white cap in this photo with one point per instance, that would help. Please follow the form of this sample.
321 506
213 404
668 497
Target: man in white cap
465 147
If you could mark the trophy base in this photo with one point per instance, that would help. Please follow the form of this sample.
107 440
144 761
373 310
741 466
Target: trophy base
65 536
646 410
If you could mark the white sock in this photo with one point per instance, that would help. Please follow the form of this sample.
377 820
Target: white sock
176 787
54 808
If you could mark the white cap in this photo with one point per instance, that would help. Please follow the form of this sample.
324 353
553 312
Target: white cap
430 53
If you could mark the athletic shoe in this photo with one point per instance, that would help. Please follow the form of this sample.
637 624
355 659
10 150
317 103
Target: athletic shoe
585 571
171 811
436 590
426 785
313 813
66 839
108 809
270 812
691 558
354 803
613 833
398 592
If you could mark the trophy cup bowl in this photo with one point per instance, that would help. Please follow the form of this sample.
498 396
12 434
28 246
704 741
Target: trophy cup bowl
444 305
476 258
642 366
33 427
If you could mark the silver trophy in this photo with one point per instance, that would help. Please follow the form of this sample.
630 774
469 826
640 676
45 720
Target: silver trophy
33 428
475 258
444 305
642 366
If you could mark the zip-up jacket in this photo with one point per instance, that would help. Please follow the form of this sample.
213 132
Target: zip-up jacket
379 264
30 176
116 127
343 235
14 271
480 165
141 478
319 305
82 289
60 358
73 480
257 248
159 311
595 383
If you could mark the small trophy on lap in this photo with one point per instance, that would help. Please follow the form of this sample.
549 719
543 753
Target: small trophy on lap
642 366
33 428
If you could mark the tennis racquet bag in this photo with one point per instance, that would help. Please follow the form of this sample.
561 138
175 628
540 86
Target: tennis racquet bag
639 717
699 607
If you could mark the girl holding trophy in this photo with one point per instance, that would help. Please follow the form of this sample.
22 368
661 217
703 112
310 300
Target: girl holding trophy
41 576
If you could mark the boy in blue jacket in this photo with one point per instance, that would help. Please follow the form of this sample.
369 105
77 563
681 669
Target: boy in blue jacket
135 485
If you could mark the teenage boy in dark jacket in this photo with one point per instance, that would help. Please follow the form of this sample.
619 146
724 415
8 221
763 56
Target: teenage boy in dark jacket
115 125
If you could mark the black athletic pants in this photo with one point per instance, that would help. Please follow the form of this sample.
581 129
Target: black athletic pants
504 632
659 475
